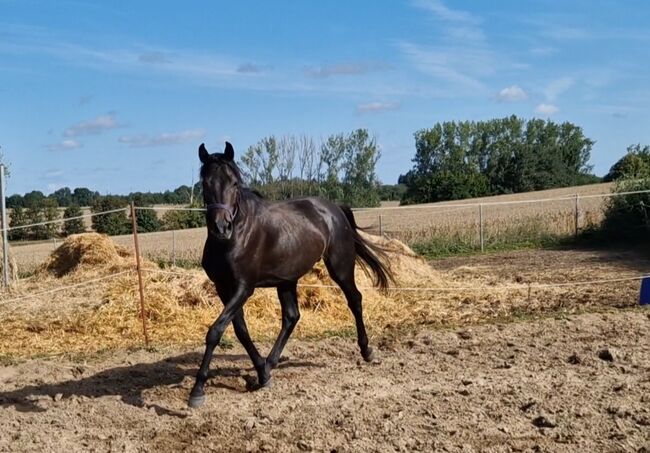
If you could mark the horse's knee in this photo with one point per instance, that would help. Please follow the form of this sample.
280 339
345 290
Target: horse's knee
292 318
214 335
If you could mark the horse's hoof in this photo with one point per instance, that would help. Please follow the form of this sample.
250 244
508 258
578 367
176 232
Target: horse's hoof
253 386
370 356
196 401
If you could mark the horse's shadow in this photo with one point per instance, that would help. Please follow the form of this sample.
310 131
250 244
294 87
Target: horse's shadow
129 382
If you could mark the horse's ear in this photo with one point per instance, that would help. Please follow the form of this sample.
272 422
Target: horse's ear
204 155
229 152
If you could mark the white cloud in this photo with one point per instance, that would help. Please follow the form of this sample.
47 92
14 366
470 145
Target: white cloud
163 139
462 57
94 126
445 13
252 68
562 33
375 107
64 145
342 69
543 51
557 87
546 109
512 93
462 67
154 57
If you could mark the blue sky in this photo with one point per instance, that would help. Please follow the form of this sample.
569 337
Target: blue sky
117 96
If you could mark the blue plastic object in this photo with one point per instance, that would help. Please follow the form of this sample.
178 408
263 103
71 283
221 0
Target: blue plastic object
644 296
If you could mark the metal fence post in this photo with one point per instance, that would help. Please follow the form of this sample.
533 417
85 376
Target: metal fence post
5 238
480 227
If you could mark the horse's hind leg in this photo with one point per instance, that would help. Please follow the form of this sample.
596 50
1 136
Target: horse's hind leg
290 316
341 268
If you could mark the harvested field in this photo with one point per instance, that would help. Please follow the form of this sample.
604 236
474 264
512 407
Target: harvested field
443 221
451 221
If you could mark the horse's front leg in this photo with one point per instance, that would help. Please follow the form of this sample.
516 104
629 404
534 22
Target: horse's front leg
212 339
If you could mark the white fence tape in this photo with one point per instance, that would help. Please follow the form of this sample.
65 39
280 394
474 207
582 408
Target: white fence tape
520 286
62 220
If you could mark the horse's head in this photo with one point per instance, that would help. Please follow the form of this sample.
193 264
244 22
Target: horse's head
221 183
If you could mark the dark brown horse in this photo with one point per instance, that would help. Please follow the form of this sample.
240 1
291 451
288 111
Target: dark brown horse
254 243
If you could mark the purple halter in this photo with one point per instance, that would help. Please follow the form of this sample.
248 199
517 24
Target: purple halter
225 207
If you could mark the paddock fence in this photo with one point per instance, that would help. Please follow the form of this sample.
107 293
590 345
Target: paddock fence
479 223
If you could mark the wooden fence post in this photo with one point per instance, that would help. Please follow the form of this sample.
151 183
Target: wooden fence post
481 232
174 248
381 225
577 215
139 270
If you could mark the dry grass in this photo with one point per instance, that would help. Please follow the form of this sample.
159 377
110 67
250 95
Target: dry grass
180 306
450 222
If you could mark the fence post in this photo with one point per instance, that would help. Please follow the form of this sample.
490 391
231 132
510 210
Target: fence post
381 225
174 248
139 270
5 239
480 227
577 215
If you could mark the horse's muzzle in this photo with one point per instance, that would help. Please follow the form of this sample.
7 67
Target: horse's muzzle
222 229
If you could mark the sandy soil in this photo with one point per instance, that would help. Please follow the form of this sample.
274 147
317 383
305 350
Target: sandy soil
579 383
565 382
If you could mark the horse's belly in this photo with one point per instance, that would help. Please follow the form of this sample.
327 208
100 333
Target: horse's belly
289 263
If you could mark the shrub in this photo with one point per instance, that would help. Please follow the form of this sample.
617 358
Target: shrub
112 224
627 217
147 221
181 220
74 226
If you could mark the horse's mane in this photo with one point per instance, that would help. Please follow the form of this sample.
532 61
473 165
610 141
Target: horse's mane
254 192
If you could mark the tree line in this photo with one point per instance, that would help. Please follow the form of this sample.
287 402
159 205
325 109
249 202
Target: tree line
340 168
466 159
453 160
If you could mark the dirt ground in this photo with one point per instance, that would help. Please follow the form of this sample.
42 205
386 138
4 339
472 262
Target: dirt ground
562 382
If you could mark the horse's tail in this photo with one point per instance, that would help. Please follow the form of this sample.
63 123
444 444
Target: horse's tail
369 254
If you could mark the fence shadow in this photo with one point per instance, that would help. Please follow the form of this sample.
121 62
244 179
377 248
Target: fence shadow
129 382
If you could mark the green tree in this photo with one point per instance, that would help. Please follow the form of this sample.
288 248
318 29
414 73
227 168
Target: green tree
634 165
15 201
82 196
51 214
455 160
18 218
33 199
73 226
115 223
360 184
34 215
627 217
332 152
63 196
147 221
181 220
